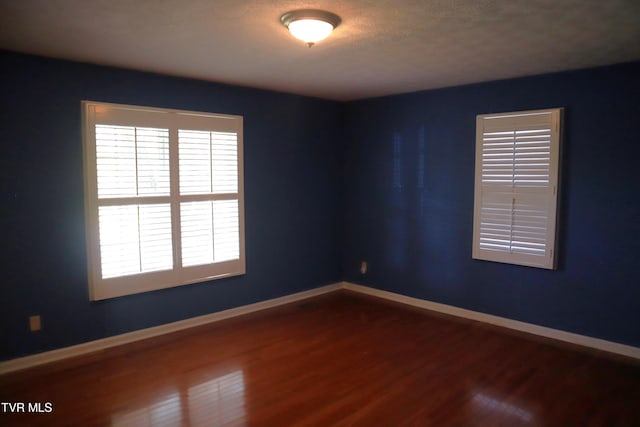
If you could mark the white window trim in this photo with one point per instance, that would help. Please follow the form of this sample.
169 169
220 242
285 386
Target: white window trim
128 115
547 196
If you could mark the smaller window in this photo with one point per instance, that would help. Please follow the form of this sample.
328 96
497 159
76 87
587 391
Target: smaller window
516 187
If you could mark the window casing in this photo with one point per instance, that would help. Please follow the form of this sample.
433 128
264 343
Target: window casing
163 197
516 187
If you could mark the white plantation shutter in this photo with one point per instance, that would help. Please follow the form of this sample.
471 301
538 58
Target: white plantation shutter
164 198
517 157
197 233
209 165
210 232
213 155
132 161
135 239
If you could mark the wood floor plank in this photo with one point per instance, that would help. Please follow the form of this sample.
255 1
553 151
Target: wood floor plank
340 359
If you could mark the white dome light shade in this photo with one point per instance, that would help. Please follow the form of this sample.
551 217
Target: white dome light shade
310 30
310 25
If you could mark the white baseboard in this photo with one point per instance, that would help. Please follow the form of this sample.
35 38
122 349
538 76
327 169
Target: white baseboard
101 344
585 341
129 337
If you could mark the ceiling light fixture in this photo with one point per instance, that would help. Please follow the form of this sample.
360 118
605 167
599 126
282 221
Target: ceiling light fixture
310 25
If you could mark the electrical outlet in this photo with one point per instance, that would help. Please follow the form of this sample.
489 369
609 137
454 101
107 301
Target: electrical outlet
363 267
35 323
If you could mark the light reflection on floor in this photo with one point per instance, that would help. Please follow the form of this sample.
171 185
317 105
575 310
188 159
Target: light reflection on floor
166 412
489 403
217 402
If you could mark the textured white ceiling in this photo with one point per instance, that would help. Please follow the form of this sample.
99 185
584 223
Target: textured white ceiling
382 46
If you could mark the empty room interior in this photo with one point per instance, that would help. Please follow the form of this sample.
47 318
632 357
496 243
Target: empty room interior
419 213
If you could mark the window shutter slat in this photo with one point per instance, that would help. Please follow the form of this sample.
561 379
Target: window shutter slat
196 219
115 158
208 162
135 239
153 161
224 147
515 225
210 232
519 158
195 161
226 232
132 161
155 237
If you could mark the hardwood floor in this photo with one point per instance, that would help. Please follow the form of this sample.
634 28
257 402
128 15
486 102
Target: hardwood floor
336 360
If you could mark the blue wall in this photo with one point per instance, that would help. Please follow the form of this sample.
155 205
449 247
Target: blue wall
387 180
409 201
293 216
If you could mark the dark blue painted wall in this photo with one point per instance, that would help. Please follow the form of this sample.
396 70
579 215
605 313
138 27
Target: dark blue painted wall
386 180
292 180
409 201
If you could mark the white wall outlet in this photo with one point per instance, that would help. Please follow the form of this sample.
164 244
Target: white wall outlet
35 323
363 267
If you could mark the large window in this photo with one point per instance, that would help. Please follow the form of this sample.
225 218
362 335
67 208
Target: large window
164 198
516 187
